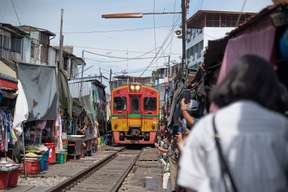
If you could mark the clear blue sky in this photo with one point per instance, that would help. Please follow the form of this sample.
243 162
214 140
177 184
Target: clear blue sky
85 16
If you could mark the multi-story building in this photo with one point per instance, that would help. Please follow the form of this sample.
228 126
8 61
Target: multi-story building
39 44
207 25
28 44
13 42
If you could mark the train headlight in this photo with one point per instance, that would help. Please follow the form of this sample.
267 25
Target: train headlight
132 87
137 87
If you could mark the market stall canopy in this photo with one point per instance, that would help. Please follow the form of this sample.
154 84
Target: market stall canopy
8 79
40 87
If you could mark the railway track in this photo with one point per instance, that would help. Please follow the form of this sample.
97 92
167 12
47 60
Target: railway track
106 176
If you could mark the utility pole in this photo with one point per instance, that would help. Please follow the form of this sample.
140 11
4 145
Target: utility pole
168 67
82 72
100 72
60 64
110 78
184 29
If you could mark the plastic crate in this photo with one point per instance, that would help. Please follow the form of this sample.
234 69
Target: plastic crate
32 166
13 178
4 179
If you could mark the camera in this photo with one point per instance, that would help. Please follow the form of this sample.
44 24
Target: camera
193 104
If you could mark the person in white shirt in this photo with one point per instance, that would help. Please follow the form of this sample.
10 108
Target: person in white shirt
252 131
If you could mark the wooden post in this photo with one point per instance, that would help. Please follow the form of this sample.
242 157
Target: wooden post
60 64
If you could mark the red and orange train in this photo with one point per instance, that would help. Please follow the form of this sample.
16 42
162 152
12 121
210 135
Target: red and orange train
135 114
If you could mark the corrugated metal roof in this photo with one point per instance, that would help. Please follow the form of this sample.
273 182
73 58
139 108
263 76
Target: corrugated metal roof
29 28
197 20
256 18
13 29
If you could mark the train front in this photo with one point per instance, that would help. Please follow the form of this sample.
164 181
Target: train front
135 114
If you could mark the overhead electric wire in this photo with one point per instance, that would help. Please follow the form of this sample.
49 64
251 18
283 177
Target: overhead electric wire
241 11
118 61
173 22
117 50
15 11
161 47
154 23
116 30
116 57
163 51
85 69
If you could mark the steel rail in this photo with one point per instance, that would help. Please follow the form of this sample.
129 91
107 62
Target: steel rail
125 174
72 180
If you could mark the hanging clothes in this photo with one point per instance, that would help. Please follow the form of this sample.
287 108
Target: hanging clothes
58 126
21 110
6 125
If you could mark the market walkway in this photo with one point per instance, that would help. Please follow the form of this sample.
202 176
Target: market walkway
60 172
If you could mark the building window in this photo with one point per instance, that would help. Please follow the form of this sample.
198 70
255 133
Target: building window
16 45
33 49
6 42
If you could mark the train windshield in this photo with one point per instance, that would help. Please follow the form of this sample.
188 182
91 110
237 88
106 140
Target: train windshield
134 104
120 103
150 104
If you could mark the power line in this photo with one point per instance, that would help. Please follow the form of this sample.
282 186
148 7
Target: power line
117 57
161 47
242 9
15 11
118 61
116 30
155 42
173 22
117 50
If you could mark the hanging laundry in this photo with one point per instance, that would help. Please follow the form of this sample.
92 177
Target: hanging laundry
6 129
58 126
21 110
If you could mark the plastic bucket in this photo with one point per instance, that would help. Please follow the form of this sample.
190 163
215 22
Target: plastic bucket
32 167
52 152
13 178
4 179
60 157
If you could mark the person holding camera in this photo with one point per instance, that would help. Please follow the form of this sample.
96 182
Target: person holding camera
185 112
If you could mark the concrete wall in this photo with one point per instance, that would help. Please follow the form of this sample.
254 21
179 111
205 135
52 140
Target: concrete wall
52 59
26 50
207 34
213 33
